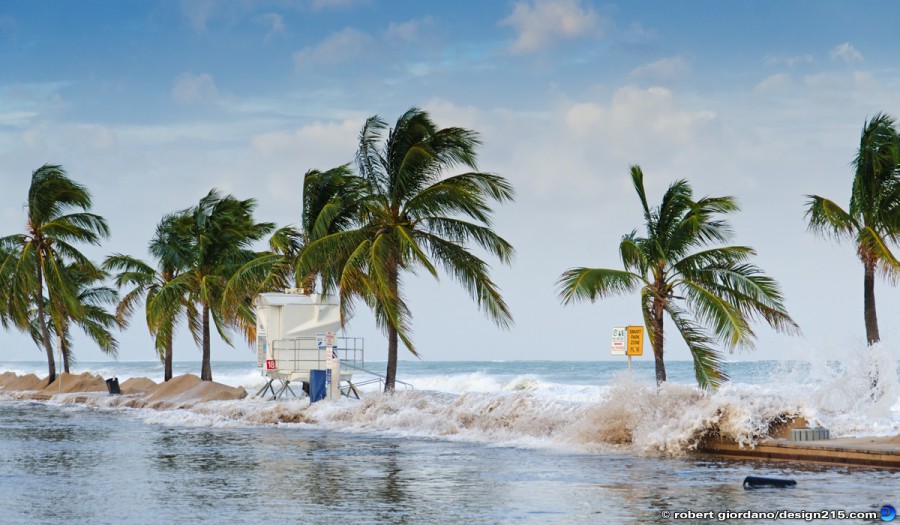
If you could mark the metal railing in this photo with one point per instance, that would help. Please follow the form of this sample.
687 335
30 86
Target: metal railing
377 378
303 354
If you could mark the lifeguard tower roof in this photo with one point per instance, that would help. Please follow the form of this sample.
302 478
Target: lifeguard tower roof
282 316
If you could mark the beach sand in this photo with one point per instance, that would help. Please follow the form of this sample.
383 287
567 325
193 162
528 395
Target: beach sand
139 392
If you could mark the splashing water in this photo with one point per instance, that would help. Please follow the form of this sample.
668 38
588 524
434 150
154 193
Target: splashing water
584 406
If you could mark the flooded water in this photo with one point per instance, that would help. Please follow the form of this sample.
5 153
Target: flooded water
74 464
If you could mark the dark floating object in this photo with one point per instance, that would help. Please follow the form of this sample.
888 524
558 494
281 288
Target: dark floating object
754 482
112 384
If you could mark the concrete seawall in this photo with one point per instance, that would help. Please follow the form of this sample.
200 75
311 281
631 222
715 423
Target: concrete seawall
876 452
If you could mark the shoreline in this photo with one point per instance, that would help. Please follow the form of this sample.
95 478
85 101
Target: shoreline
187 390
136 392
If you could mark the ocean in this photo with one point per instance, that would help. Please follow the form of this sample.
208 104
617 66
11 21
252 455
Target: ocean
471 442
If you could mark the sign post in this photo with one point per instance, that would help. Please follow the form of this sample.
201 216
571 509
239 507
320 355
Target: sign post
332 367
635 342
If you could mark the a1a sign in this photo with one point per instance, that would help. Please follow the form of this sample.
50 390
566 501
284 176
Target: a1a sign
635 340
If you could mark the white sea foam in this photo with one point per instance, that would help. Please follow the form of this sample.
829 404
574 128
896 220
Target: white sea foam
512 404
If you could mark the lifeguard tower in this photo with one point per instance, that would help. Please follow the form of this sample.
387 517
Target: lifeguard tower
294 332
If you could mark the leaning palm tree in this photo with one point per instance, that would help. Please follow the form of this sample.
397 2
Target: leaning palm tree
873 219
57 218
162 311
710 292
412 215
218 233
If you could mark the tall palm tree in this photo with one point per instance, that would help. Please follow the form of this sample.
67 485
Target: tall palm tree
162 311
57 218
711 293
873 219
218 232
412 215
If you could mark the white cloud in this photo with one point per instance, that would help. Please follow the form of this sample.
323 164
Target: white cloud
316 137
643 126
195 89
273 21
408 31
96 137
637 111
774 82
81 137
663 70
845 52
339 47
542 22
198 12
789 61
857 92
16 118
637 35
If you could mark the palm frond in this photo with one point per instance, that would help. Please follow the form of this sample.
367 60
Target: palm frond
579 284
462 232
633 257
827 218
870 241
728 322
708 362
472 273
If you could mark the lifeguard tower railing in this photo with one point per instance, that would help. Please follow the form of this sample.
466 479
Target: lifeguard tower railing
297 356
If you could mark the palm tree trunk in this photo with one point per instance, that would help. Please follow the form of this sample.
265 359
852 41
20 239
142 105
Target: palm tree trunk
656 340
871 317
206 370
390 377
64 352
42 322
167 365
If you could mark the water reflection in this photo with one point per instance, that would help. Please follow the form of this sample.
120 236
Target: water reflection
104 467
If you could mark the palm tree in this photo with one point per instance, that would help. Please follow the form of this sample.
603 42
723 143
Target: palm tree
710 293
218 233
411 215
172 257
96 322
36 259
873 218
329 206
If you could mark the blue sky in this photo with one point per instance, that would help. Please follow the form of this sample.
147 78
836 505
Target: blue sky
151 104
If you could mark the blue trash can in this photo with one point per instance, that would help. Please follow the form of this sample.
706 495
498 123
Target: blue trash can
316 385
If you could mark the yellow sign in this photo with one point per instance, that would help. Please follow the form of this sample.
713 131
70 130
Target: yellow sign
635 340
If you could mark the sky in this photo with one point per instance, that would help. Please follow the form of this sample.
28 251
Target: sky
151 104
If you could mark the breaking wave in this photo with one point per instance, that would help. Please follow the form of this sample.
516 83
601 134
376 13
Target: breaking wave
533 410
